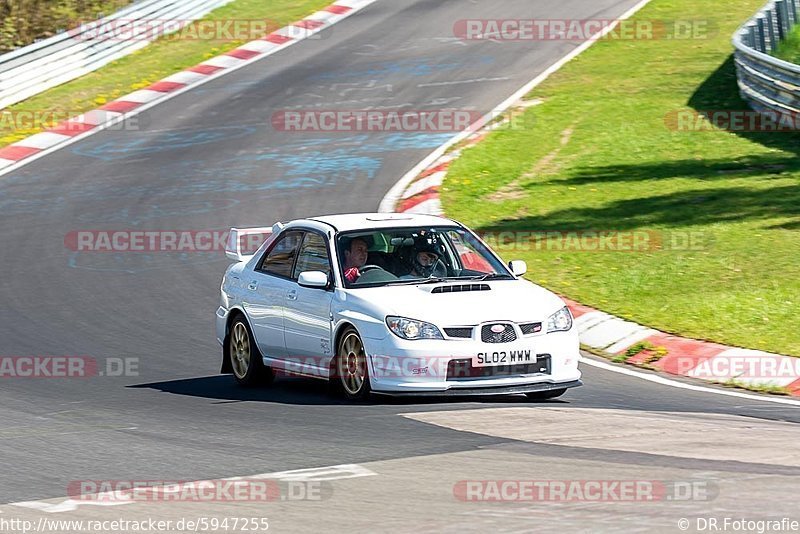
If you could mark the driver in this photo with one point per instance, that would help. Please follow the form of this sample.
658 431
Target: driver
355 256
426 255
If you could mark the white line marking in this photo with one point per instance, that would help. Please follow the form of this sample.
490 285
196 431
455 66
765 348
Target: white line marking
223 61
185 77
333 472
141 96
672 383
259 46
68 505
459 82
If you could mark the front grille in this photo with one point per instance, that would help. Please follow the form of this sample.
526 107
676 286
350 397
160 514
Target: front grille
460 288
465 332
530 328
463 369
506 336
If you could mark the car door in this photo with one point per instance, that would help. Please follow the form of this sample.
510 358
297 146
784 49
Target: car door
266 294
308 310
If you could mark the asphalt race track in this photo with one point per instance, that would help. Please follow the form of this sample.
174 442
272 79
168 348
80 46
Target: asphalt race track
210 159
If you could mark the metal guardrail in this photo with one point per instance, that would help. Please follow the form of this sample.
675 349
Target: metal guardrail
767 83
35 68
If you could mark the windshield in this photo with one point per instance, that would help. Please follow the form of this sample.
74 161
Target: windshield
388 256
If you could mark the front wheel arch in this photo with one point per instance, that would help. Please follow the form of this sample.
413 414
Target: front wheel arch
340 330
335 380
227 368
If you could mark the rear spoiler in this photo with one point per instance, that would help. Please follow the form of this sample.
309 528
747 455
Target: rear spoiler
234 249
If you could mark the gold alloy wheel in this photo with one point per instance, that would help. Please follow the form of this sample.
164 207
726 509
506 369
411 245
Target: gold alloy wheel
352 364
240 350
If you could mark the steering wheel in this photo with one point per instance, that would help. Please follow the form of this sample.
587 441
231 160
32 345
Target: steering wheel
366 268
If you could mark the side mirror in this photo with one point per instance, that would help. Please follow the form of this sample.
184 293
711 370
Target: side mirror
518 267
313 279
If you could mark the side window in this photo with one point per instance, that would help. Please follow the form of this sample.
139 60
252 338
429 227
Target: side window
280 259
313 256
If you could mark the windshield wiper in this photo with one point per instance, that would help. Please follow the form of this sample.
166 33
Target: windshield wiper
419 281
495 276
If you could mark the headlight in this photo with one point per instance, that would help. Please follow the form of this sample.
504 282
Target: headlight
560 321
411 329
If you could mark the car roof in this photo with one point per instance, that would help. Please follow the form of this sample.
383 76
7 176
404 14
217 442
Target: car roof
359 221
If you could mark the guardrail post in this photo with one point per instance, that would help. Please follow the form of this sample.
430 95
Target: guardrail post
790 18
772 41
781 16
751 35
761 37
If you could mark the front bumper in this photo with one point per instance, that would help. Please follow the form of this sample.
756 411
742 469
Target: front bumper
221 323
426 367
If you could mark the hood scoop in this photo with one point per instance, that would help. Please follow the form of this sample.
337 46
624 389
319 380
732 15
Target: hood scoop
461 288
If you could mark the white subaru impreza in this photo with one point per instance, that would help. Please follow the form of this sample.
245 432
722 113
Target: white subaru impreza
395 304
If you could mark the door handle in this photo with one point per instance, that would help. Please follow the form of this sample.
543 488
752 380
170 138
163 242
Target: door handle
291 294
252 286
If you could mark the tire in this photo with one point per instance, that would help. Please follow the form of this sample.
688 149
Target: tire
351 373
544 395
245 359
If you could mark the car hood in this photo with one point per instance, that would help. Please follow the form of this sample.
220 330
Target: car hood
506 300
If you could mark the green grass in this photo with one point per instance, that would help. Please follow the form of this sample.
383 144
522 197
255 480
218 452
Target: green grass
152 63
789 48
597 154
